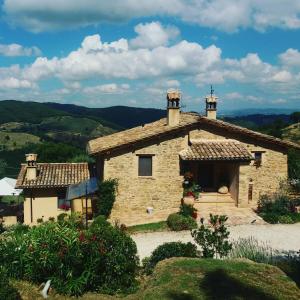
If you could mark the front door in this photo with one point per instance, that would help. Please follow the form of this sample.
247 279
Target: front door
206 177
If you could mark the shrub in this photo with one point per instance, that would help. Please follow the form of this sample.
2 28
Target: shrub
101 258
179 222
107 196
277 203
2 229
187 210
285 219
167 250
7 292
251 249
271 218
213 238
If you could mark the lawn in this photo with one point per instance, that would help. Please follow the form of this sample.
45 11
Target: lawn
192 278
150 227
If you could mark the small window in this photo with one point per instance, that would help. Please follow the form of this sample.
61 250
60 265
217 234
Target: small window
145 165
257 158
62 203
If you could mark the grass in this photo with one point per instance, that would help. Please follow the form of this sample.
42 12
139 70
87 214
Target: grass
16 140
194 278
189 278
150 227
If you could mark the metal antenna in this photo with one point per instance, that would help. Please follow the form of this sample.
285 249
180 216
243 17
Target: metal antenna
211 90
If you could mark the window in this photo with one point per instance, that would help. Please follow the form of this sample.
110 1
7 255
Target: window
145 165
62 203
257 158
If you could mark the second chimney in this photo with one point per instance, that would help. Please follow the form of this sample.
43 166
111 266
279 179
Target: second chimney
173 107
31 170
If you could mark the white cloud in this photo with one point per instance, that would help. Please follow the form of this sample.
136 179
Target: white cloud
18 50
225 15
152 35
116 60
15 83
291 57
110 88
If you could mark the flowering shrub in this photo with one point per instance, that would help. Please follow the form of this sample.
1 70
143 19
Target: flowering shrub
213 238
101 258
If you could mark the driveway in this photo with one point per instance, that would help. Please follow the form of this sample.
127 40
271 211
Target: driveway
279 236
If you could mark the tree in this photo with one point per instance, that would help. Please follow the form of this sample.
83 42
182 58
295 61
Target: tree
295 117
3 166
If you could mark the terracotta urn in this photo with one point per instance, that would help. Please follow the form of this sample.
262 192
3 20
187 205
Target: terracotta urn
189 200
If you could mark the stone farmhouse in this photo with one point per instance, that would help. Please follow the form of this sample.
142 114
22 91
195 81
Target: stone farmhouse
231 164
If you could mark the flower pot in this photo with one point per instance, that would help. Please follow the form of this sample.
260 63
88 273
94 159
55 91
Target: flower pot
189 200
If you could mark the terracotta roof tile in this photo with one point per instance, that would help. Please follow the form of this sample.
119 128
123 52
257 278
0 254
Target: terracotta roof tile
160 127
216 150
54 175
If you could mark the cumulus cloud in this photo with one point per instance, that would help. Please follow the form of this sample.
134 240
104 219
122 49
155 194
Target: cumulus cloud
109 88
116 60
37 15
18 50
151 35
291 57
15 83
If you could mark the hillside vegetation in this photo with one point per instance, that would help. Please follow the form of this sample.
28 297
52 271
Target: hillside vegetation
292 133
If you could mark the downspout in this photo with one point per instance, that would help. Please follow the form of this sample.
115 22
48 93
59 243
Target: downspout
31 209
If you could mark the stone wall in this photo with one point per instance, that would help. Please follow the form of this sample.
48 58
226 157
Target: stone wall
163 190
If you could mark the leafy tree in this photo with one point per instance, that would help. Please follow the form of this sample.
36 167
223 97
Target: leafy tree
213 238
82 158
295 117
294 164
3 166
107 196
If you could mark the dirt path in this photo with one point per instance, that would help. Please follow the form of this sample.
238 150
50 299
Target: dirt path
281 237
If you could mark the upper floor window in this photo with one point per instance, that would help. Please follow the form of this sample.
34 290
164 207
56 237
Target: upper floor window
145 165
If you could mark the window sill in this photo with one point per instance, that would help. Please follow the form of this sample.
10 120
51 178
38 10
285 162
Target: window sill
146 177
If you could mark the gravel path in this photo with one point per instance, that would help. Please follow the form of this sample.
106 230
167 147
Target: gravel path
281 237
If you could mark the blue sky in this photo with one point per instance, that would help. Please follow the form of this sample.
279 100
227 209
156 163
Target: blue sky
128 52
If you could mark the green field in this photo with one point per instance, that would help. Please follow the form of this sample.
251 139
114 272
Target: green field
16 140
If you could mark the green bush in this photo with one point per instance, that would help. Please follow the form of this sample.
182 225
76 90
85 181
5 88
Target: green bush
101 258
271 218
285 219
213 238
107 196
7 292
187 210
277 203
178 222
168 250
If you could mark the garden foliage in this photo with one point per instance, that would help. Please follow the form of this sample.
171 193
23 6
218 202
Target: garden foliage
168 250
213 238
278 208
7 292
101 258
107 196
177 222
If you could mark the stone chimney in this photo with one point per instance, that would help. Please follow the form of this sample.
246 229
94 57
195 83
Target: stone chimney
211 105
173 107
31 170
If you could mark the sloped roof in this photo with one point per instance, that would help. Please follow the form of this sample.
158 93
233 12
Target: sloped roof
216 150
54 175
160 127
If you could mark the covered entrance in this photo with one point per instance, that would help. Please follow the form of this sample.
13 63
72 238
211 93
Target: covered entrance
214 165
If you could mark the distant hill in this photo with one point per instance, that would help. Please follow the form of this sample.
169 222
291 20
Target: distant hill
292 133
